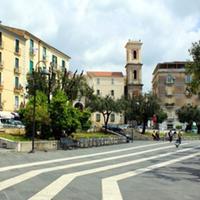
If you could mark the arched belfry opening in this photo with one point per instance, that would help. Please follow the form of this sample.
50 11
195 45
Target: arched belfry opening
134 54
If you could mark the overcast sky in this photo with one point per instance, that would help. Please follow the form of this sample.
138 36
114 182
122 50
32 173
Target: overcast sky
94 32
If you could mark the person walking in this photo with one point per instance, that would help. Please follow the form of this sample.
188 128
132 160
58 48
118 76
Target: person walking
179 139
170 135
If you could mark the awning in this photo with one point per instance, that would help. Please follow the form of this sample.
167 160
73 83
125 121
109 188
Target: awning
5 114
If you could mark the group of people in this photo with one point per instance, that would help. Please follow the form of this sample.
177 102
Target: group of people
170 135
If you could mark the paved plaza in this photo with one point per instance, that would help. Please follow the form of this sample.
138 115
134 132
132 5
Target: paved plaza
142 170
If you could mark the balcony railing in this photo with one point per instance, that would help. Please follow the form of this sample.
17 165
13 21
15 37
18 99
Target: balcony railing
18 89
1 86
17 51
44 58
17 70
1 106
1 64
32 52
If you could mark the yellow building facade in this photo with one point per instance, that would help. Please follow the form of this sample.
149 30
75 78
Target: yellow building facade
20 51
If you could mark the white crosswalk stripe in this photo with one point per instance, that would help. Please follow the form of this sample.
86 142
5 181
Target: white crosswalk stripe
110 188
7 168
161 153
12 181
50 191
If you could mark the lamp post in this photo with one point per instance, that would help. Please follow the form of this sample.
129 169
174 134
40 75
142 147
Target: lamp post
34 104
49 73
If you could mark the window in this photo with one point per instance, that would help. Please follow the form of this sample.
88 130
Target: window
17 45
135 75
31 46
112 81
63 65
112 117
16 62
112 93
0 38
98 80
134 54
170 79
16 102
16 82
54 60
31 66
44 53
1 102
98 117
98 92
188 79
0 57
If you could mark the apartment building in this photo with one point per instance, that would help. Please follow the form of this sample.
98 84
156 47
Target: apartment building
107 83
170 84
20 51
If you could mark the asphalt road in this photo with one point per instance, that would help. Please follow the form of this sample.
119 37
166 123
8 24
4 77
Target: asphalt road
136 171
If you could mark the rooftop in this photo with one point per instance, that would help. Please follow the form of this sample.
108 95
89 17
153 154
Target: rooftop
24 33
104 74
171 65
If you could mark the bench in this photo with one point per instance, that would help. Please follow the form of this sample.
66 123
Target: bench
67 143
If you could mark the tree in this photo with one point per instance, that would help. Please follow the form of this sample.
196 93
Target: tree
41 115
193 68
141 108
161 116
65 118
189 114
104 105
84 118
75 85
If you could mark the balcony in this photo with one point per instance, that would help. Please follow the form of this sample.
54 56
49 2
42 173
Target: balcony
18 89
44 58
1 64
1 44
1 87
17 51
32 52
17 70
1 106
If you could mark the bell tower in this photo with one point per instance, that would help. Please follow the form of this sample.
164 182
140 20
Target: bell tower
133 68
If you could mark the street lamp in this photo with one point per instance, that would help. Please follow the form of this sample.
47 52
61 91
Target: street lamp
34 103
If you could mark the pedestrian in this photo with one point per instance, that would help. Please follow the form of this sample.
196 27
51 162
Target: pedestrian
179 138
170 135
157 136
154 135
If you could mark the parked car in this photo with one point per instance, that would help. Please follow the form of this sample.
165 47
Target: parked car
11 123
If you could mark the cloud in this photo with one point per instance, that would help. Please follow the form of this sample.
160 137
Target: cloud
94 32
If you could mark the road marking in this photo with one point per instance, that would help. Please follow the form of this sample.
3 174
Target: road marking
110 187
55 187
2 169
17 179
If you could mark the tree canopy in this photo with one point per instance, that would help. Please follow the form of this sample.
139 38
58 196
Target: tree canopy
104 105
193 68
189 114
142 108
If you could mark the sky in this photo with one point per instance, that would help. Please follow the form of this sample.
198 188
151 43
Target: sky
94 32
